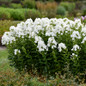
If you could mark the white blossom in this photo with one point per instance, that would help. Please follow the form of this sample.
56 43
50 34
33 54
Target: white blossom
83 41
75 47
41 46
52 42
16 51
7 38
75 34
73 54
61 46
51 28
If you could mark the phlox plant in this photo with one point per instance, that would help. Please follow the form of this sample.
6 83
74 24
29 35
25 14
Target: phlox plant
47 45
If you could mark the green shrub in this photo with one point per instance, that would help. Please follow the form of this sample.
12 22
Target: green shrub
40 47
15 14
4 14
15 6
32 14
29 4
18 14
68 6
61 10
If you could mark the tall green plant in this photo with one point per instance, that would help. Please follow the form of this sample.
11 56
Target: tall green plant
47 45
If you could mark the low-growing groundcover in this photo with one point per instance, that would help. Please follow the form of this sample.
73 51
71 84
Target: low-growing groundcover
47 46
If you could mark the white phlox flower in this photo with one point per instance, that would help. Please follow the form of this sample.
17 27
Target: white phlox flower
37 39
83 41
61 46
73 54
45 22
7 38
52 42
29 22
45 27
75 34
50 31
16 51
75 47
59 29
83 29
41 46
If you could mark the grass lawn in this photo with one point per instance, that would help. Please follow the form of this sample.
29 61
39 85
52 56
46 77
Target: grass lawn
4 63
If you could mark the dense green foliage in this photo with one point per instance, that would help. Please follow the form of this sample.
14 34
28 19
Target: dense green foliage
4 14
15 6
29 3
32 14
68 6
18 14
61 10
47 8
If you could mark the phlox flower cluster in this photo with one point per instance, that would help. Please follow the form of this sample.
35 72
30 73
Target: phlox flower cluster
61 46
16 51
50 28
75 47
52 42
83 17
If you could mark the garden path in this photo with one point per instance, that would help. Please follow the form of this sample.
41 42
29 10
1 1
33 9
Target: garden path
2 48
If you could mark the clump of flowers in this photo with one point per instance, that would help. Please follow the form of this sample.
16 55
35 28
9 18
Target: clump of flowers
82 18
47 45
16 51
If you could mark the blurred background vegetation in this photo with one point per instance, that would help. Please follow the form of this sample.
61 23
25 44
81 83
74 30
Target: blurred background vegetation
23 9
